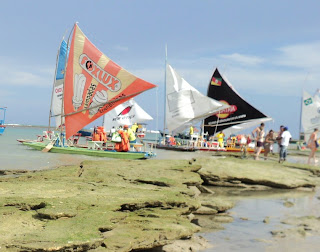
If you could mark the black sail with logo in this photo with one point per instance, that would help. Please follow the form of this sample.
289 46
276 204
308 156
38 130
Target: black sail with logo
239 112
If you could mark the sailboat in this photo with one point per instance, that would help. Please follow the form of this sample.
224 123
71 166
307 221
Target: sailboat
2 126
127 113
185 105
239 116
310 113
93 85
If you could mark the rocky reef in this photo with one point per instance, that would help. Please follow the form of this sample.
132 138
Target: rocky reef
120 205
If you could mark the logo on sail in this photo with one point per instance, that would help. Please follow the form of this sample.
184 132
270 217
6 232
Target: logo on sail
125 111
307 101
226 112
109 81
216 81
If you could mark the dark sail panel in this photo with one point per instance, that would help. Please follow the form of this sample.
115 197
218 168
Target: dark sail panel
239 111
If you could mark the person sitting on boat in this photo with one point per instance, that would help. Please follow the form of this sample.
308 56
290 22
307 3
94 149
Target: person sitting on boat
124 145
220 137
191 130
135 127
95 134
131 133
112 130
172 141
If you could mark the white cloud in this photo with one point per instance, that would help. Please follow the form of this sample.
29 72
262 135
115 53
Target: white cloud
306 56
243 59
12 74
121 48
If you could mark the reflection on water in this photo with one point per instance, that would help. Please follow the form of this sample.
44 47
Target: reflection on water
248 232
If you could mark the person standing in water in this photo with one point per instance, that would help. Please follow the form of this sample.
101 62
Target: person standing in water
313 145
285 140
268 143
259 132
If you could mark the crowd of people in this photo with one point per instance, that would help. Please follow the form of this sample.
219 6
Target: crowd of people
282 138
122 136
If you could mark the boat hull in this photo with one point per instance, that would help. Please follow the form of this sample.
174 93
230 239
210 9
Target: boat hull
2 128
89 152
175 148
228 149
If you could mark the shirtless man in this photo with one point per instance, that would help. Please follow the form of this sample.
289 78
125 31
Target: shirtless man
258 134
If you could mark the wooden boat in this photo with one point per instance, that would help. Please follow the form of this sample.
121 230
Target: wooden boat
90 152
175 148
227 149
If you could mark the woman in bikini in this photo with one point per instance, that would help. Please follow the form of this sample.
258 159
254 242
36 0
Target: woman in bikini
313 145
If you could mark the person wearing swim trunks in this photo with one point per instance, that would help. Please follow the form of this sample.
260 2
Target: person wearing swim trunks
258 134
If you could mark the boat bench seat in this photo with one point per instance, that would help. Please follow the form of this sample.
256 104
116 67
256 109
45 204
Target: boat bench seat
136 146
95 145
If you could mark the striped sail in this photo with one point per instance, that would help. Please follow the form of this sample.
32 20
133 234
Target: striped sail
94 84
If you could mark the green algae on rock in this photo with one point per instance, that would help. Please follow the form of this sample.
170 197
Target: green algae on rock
124 205
111 205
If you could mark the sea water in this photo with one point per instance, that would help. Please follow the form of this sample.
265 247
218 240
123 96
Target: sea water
16 156
249 232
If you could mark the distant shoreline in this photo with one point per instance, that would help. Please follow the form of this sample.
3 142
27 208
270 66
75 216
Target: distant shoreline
27 126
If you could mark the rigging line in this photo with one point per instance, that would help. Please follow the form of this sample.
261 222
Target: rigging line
215 130
97 106
240 122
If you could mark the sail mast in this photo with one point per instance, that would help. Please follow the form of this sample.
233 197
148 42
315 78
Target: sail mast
165 95
302 91
64 81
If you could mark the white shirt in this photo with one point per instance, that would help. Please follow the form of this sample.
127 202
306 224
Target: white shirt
285 138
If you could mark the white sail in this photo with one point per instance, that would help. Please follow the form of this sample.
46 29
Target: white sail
185 105
126 113
57 94
310 117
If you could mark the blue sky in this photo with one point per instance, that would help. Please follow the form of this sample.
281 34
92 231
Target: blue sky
269 50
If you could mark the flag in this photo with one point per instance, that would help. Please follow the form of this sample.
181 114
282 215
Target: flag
308 101
94 84
216 81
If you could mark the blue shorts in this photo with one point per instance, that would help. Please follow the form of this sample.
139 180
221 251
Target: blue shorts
134 141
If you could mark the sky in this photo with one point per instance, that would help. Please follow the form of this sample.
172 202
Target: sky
268 50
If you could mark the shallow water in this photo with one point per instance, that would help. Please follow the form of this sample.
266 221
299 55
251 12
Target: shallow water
248 232
16 156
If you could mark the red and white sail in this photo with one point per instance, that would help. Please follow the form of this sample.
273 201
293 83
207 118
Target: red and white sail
126 113
94 84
